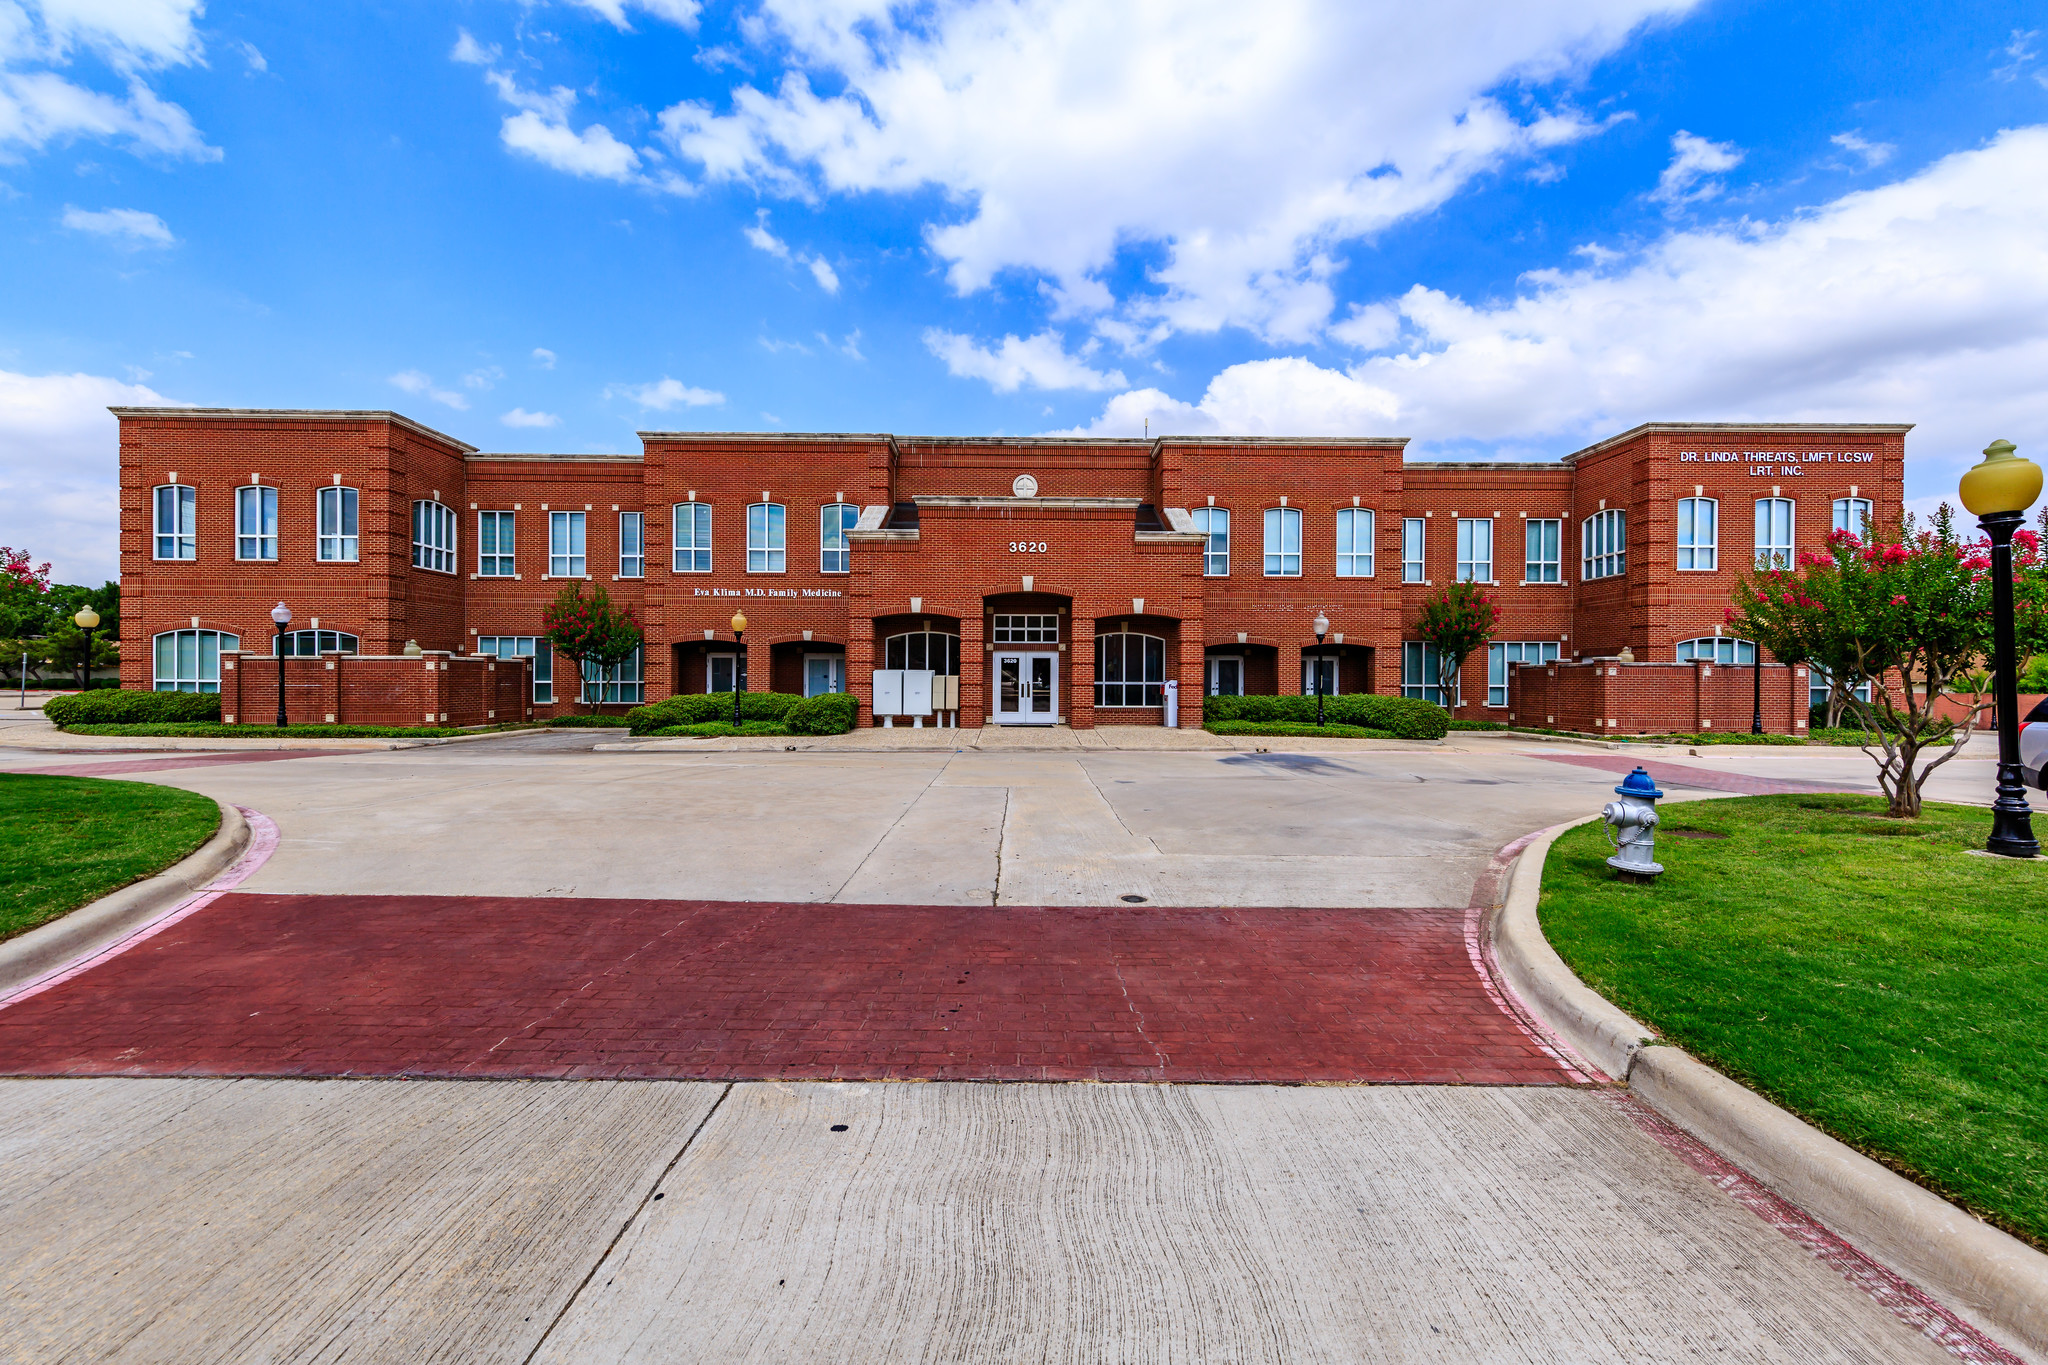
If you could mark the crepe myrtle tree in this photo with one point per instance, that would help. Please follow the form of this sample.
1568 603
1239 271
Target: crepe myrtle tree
591 631
1455 623
1909 610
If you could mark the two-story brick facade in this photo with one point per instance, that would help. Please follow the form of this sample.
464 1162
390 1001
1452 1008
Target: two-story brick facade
1059 581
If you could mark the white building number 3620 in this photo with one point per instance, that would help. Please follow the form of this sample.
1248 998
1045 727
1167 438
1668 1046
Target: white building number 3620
1027 547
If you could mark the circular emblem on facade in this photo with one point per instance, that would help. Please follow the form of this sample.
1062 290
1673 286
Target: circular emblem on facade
1025 486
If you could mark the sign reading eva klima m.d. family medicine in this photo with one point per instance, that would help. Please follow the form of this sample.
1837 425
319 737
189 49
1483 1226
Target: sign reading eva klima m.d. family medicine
1782 464
766 592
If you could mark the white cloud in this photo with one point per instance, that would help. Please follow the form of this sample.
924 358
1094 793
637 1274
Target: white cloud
543 357
131 226
682 13
1924 301
1694 163
2021 50
520 417
39 107
485 378
414 381
1244 143
1041 362
761 239
1873 154
541 130
59 469
665 394
252 56
470 52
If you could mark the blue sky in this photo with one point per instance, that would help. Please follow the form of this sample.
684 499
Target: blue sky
1499 229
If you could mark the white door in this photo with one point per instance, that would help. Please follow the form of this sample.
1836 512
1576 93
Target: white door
1226 676
1027 688
824 673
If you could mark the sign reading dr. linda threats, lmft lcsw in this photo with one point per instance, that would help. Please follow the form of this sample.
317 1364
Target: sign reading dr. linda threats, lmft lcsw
1778 464
766 592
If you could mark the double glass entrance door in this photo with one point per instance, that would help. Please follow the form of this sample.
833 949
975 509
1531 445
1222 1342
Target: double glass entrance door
1026 689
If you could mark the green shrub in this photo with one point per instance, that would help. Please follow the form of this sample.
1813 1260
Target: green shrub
1289 727
201 729
716 729
127 707
701 708
1400 717
594 721
833 713
1456 724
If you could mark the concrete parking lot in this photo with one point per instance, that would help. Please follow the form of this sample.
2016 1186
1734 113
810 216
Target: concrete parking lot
237 1215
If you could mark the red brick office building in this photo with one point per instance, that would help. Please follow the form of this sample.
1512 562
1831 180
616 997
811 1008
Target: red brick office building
1059 581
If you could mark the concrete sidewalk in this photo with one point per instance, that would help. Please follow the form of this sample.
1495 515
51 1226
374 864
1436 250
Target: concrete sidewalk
268 1221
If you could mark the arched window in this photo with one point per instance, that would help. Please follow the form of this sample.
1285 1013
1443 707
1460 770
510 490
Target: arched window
339 521
1853 515
1130 670
1774 533
433 537
767 538
310 643
189 660
835 519
177 521
923 649
1717 649
1699 544
1214 522
1603 544
1283 542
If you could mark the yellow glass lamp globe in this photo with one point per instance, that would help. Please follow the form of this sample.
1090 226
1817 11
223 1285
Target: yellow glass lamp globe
739 622
87 619
2004 482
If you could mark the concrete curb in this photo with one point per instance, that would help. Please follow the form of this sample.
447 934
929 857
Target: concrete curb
1994 1278
91 927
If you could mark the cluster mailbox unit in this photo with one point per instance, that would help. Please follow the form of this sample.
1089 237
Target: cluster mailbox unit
970 581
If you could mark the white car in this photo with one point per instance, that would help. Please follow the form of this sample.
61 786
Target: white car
2034 745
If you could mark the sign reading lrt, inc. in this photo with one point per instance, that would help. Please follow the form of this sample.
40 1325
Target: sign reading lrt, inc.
1782 464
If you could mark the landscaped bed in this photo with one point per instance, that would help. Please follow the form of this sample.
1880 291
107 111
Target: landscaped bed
202 729
67 841
1867 973
1298 729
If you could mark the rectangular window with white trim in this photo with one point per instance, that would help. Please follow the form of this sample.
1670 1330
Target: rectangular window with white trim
1420 676
256 522
566 558
1475 549
1505 652
1542 558
835 551
494 558
531 647
1853 515
1411 549
632 545
1354 542
618 684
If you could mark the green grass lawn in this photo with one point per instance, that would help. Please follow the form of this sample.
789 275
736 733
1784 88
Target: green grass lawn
1864 972
66 841
213 729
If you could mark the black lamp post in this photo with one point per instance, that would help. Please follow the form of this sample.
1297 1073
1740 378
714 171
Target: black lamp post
739 663
1756 687
282 616
88 621
1322 628
1999 491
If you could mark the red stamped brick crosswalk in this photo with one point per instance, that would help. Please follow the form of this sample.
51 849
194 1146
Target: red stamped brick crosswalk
1702 779
483 986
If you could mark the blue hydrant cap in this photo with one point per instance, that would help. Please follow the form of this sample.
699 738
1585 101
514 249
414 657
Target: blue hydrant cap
1638 783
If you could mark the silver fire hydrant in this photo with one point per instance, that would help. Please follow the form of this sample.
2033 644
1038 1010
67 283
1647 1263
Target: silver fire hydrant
1632 827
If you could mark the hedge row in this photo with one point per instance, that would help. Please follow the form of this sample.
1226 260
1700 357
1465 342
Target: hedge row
830 714
1399 717
715 729
200 729
123 707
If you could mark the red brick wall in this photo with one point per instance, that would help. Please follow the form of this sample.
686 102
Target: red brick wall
1607 696
1095 562
345 689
